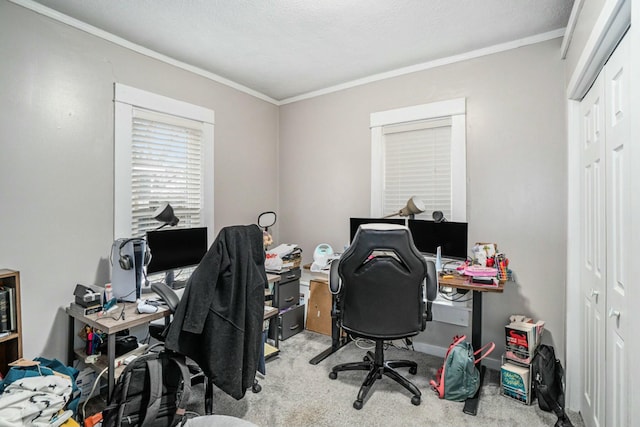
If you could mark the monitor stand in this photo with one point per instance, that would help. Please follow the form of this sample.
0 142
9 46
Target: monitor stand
169 279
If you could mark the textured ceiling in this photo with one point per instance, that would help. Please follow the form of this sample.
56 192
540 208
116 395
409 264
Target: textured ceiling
287 48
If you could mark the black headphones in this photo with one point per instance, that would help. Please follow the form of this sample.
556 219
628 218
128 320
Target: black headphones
126 261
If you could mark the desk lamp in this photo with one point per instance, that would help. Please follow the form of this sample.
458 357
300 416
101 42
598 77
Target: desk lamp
165 215
414 206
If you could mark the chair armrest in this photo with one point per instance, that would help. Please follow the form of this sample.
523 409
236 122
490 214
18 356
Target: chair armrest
335 284
431 281
167 294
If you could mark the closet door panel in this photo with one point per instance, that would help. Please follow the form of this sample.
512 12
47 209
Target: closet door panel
593 253
618 188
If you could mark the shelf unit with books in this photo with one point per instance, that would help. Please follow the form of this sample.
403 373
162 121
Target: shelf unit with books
10 319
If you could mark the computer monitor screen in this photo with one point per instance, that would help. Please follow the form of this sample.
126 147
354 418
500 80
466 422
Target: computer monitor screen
450 236
176 248
357 222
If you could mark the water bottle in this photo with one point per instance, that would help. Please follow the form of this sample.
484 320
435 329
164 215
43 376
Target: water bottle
108 293
438 259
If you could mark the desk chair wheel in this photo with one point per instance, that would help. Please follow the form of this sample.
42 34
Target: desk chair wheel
333 375
357 404
256 388
415 400
413 370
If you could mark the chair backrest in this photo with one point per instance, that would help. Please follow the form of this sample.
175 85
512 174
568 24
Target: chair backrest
382 275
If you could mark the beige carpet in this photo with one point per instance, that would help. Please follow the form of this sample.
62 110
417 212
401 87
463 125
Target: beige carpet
296 393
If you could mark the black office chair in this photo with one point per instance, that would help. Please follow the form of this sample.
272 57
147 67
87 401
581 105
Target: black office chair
378 285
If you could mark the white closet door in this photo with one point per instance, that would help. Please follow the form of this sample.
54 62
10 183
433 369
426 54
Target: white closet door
618 188
605 243
593 254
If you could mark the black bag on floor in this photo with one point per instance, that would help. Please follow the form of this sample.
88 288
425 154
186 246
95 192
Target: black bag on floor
151 391
548 377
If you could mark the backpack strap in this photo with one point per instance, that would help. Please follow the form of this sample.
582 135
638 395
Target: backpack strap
154 368
179 361
543 390
456 340
487 349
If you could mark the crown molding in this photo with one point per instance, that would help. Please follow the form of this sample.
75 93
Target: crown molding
432 64
90 29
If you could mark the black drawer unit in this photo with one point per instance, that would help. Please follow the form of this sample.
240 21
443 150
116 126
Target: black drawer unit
291 322
286 296
287 290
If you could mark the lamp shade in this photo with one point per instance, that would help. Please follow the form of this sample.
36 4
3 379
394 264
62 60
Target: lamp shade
165 215
413 206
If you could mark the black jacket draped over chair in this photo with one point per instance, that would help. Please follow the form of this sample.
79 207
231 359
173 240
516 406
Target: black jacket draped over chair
218 322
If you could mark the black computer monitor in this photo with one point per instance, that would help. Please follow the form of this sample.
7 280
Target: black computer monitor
357 222
176 248
450 236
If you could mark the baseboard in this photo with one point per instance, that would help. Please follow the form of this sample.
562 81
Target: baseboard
434 350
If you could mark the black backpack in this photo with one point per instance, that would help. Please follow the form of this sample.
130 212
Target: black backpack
151 391
548 383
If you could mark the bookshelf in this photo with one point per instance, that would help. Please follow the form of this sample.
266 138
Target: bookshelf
11 341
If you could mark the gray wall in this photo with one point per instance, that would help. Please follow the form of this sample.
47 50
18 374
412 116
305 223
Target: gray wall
56 173
516 171
309 161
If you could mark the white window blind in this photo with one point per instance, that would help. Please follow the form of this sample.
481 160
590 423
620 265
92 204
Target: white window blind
420 151
166 166
163 153
417 162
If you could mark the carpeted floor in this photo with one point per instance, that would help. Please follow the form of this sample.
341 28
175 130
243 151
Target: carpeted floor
296 393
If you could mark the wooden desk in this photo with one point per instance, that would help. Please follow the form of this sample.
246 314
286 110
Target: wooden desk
110 327
270 315
464 283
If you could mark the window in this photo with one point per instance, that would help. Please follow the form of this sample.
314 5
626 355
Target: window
163 153
420 151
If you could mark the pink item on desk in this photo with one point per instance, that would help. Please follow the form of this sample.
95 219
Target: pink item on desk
480 271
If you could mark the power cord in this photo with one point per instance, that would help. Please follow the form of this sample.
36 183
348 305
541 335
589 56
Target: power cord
457 299
93 388
363 343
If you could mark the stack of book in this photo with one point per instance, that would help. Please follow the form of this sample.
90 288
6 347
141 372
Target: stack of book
8 313
522 336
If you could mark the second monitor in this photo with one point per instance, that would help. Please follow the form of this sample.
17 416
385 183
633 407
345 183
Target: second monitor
176 249
450 236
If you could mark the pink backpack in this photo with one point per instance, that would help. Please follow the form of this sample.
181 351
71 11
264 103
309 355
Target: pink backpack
459 378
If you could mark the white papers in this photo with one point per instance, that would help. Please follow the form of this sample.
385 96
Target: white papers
283 249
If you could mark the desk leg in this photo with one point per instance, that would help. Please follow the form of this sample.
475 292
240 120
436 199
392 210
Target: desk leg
337 342
111 358
471 404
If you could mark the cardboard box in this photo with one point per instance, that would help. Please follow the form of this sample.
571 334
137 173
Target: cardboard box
521 339
319 307
85 381
515 381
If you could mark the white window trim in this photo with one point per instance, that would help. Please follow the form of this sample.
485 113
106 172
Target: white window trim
456 110
125 99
